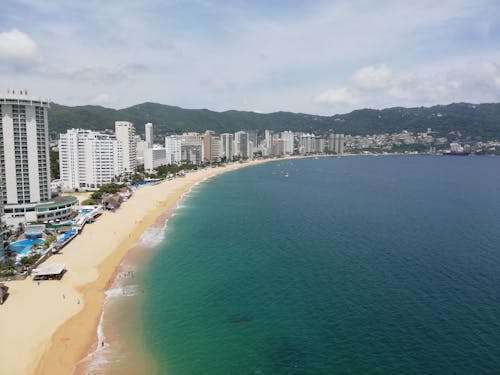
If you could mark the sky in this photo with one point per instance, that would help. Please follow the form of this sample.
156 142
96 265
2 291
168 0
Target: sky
318 57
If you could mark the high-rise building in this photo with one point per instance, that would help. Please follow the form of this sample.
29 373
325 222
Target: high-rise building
141 147
242 145
331 142
339 144
148 134
288 142
307 143
211 147
125 133
24 149
88 159
227 144
173 149
192 148
268 143
153 158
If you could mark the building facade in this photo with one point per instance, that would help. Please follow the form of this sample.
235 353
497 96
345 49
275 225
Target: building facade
173 149
88 159
125 133
24 151
227 144
154 157
148 134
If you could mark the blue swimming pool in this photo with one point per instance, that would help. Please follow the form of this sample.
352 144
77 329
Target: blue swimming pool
22 247
66 235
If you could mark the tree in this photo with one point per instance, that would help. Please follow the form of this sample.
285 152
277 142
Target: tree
54 164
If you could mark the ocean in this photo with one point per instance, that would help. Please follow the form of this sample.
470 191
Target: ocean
374 265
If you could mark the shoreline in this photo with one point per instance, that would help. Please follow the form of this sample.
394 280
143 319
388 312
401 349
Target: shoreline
56 321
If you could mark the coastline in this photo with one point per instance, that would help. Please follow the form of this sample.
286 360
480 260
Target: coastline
56 321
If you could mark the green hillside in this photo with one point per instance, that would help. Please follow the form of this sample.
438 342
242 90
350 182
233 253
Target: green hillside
471 120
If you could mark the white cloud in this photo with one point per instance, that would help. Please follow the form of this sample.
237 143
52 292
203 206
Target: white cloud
104 99
216 84
373 77
17 46
336 96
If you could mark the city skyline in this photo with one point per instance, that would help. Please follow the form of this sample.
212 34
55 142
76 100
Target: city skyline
313 57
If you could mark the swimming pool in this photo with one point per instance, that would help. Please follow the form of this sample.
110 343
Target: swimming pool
22 247
66 235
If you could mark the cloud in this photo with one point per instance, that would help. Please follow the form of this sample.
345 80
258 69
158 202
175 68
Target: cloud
336 96
101 74
104 99
16 46
216 84
373 77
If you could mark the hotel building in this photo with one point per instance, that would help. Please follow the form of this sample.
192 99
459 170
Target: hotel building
173 149
227 144
88 159
148 134
24 161
125 133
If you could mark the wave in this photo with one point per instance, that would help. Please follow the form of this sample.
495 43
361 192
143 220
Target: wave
123 291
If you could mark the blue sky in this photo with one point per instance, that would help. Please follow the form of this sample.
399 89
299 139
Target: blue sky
321 57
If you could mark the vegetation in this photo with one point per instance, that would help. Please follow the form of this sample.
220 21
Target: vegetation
54 164
30 260
110 188
89 202
164 170
481 121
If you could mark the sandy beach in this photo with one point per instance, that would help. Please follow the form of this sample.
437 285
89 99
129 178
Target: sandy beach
47 328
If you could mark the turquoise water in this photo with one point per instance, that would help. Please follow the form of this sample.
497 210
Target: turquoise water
66 235
23 247
379 265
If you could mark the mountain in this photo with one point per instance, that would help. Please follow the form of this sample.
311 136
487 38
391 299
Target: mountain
479 121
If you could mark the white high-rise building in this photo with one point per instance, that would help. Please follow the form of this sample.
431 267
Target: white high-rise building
173 149
153 158
88 159
339 143
242 145
125 133
141 147
24 150
192 148
307 143
268 143
227 144
148 134
287 137
25 186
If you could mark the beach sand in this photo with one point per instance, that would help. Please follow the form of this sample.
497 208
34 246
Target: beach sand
47 328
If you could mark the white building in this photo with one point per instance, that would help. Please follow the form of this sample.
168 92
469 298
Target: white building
140 147
88 159
242 145
153 158
192 148
173 149
125 133
268 143
148 134
227 144
288 145
307 143
24 153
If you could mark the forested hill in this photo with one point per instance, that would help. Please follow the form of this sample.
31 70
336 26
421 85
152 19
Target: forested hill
471 120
